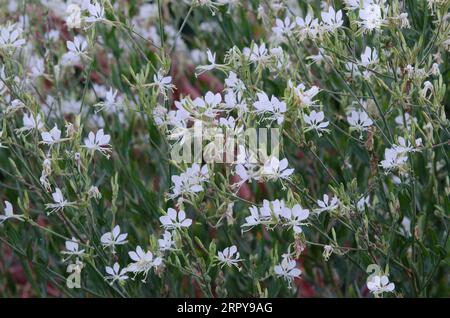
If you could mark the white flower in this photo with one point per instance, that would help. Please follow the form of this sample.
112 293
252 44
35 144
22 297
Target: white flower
269 210
116 274
371 17
190 181
362 203
282 28
359 120
393 158
98 141
109 102
234 84
166 243
113 238
212 63
295 216
10 37
229 256
369 57
332 19
315 120
59 202
309 27
208 106
73 19
78 46
52 137
273 106
408 119
326 204
379 284
175 220
352 4
164 83
306 95
257 54
72 249
30 122
9 213
96 13
287 269
427 87
36 66
274 169
77 49
143 262
406 226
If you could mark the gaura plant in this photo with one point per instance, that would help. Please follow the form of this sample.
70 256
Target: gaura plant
347 196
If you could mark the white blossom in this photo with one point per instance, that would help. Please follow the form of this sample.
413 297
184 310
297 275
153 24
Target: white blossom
327 204
98 141
332 19
287 269
143 262
315 120
295 216
9 213
380 284
59 203
116 274
175 220
113 238
52 137
229 256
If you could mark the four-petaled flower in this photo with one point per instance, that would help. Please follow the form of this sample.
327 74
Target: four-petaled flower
229 256
98 141
275 169
327 204
113 238
315 120
288 270
116 274
295 217
143 262
379 284
175 220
